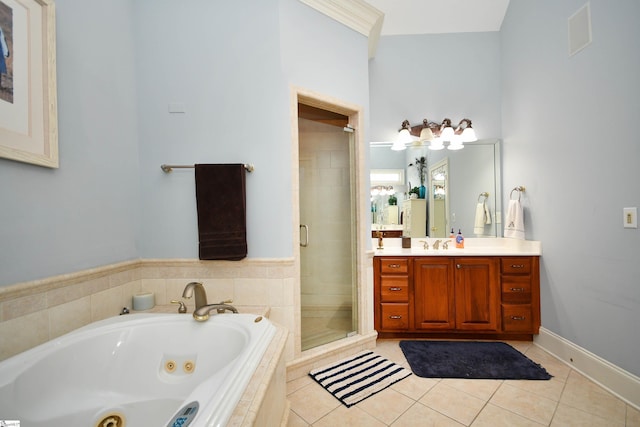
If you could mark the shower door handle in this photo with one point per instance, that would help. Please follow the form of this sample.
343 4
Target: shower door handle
306 235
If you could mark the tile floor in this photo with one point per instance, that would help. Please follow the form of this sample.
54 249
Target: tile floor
568 399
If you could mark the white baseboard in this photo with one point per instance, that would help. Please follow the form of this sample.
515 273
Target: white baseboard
616 380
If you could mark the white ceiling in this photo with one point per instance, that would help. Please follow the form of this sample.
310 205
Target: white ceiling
440 16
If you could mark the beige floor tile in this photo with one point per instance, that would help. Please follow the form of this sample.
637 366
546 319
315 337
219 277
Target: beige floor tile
295 420
551 389
529 405
583 394
482 389
555 367
312 402
387 405
494 416
352 417
633 417
521 346
414 386
567 416
391 350
453 403
298 383
423 416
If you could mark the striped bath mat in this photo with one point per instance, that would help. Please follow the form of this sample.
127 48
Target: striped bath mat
358 377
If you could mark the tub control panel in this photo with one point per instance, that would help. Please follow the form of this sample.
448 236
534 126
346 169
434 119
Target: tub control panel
185 415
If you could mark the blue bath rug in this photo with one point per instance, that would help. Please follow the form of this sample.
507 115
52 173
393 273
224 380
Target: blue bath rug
353 379
471 360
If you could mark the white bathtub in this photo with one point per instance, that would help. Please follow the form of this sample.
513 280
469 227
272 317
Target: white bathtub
137 370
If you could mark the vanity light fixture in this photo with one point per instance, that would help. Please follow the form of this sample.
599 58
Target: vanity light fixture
436 134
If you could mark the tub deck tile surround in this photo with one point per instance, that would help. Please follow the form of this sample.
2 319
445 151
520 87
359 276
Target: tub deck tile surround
47 308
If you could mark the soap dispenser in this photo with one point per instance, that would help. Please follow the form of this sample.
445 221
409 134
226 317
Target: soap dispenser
460 240
452 236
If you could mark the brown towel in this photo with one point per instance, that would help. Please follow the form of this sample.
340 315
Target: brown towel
221 202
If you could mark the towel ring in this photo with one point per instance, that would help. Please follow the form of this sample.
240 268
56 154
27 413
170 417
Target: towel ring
485 195
520 189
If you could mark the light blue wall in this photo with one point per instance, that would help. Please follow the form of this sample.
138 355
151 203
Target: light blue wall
222 61
433 77
83 214
569 128
231 64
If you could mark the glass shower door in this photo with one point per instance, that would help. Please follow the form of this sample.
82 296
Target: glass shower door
327 227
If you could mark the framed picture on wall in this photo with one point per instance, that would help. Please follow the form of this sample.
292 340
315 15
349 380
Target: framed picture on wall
28 96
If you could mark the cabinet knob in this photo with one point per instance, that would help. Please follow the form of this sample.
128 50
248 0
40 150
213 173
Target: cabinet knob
395 317
458 266
517 289
518 318
395 289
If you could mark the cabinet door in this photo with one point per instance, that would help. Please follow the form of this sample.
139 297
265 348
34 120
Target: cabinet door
477 293
434 302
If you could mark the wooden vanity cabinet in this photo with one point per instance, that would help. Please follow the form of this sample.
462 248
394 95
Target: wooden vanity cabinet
393 293
435 296
477 284
457 293
520 289
434 293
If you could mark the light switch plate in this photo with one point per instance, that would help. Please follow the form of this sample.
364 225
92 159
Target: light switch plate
630 217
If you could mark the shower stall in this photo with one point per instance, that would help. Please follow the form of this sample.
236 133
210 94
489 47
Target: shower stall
328 295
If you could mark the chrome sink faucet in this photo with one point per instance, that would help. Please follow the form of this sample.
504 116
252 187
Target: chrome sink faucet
198 289
203 313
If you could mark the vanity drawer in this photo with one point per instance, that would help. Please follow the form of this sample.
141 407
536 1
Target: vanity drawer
516 289
394 265
517 318
394 289
516 265
394 316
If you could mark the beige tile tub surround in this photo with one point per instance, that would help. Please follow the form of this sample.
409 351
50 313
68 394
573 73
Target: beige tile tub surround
45 309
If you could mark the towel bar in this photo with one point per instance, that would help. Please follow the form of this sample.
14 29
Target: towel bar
169 168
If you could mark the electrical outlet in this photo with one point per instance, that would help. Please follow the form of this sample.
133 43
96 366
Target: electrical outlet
630 217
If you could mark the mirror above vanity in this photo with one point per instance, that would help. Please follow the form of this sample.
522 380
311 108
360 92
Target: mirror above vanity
462 190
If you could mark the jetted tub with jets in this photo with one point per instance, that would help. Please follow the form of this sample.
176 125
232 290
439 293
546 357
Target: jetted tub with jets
137 370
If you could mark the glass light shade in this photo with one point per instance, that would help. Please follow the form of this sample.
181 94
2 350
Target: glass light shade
426 134
469 135
436 144
447 133
404 136
398 146
456 143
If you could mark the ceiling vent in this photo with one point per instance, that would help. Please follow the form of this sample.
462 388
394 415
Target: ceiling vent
580 30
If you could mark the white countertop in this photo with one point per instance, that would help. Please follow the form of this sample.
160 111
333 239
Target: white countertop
473 246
